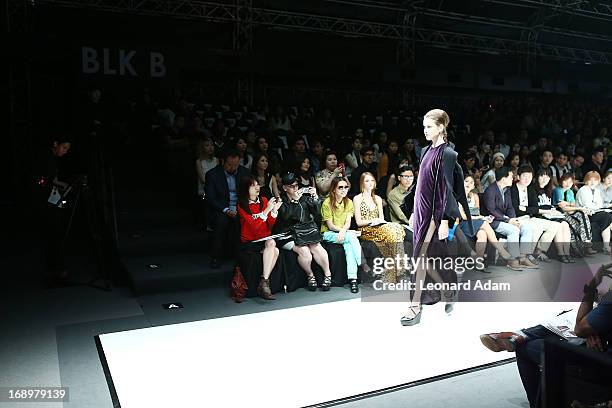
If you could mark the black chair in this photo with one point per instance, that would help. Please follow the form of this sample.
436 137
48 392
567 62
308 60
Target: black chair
574 373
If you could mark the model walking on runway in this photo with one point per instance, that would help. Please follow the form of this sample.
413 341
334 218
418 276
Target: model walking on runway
439 188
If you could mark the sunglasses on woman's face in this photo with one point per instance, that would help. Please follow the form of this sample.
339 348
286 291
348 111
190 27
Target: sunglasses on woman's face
342 187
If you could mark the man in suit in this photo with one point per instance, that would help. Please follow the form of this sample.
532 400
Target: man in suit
498 203
221 189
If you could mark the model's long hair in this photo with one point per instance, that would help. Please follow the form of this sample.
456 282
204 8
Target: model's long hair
440 118
332 193
243 194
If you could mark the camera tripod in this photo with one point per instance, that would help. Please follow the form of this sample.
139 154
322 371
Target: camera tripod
84 198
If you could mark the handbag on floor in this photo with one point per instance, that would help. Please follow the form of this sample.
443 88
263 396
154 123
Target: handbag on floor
239 286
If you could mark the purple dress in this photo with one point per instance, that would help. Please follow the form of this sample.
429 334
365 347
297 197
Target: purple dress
430 196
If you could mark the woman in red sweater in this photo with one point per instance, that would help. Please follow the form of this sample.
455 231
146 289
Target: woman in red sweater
257 217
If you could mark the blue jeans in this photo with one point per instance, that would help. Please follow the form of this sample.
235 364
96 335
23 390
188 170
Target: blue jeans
520 240
352 250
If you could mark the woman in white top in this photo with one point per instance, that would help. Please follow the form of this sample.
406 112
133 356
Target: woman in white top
589 196
205 161
489 177
606 189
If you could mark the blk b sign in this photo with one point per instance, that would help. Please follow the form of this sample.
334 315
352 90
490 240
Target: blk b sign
118 62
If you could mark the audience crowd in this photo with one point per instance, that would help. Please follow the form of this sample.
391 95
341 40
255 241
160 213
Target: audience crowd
536 172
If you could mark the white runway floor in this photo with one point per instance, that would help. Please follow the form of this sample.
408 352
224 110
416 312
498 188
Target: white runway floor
289 358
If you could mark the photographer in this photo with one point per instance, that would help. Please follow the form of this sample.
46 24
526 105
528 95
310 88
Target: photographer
50 186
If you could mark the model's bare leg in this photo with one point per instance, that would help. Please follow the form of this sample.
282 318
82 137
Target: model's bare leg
421 271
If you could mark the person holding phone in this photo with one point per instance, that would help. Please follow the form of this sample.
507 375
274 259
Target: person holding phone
296 217
257 218
332 169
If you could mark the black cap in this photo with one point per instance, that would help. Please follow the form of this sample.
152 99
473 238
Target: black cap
288 179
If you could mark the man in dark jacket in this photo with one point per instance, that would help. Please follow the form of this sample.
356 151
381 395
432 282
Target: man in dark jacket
525 204
498 203
221 189
597 163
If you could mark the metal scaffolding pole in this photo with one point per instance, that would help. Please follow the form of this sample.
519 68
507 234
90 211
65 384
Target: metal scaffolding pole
220 12
243 45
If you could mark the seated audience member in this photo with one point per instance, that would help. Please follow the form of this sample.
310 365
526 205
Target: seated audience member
409 152
385 186
498 160
482 228
597 163
498 203
543 188
577 217
525 203
577 166
514 161
380 146
221 189
324 178
353 159
246 160
546 162
606 189
304 174
389 159
562 164
274 160
205 162
294 156
387 236
296 217
397 195
317 158
593 323
469 168
367 165
589 196
266 180
257 218
336 214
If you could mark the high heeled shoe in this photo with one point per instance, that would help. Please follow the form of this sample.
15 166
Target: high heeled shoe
411 321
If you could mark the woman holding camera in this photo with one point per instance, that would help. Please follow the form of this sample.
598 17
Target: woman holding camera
257 218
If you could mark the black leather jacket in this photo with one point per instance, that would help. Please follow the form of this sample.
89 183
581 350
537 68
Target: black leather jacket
294 212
